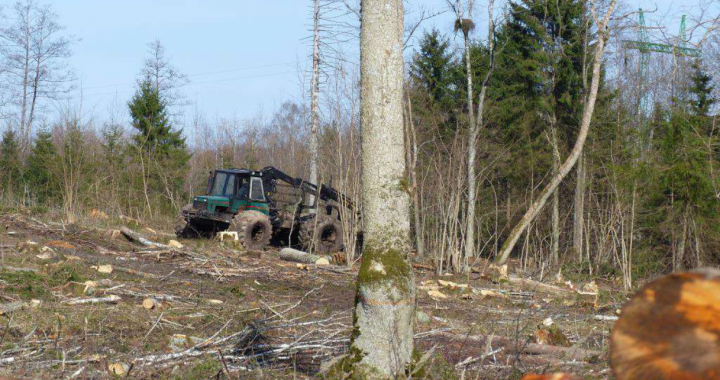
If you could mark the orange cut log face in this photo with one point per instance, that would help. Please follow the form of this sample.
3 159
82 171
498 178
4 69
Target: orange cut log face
670 330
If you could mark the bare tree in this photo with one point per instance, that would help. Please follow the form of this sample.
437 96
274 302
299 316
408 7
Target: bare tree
565 168
382 342
35 54
163 75
464 23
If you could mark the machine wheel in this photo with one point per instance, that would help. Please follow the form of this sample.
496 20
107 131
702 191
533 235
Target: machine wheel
183 229
253 228
324 237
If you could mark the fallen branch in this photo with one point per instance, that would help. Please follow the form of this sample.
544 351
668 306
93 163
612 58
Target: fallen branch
81 301
606 317
135 272
567 353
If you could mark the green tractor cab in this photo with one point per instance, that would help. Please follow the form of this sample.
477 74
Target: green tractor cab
257 205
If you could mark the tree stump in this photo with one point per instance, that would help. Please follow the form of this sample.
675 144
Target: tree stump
670 329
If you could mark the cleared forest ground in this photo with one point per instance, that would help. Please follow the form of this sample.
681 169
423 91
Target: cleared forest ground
72 306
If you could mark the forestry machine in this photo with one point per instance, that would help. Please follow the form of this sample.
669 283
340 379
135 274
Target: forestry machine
258 205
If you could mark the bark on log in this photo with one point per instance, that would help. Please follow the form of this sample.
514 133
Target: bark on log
670 329
538 285
137 238
80 301
289 254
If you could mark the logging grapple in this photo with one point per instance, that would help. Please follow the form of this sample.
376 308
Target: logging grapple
265 204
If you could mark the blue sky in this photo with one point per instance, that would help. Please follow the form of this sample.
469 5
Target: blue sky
244 58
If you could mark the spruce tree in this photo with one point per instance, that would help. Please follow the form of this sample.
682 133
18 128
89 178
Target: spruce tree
432 68
162 152
701 91
538 77
684 194
38 173
433 75
10 164
149 116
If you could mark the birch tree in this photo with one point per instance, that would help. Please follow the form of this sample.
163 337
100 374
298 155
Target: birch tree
35 53
465 24
564 169
314 89
382 341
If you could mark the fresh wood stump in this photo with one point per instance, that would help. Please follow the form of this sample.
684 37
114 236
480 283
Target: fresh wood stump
670 329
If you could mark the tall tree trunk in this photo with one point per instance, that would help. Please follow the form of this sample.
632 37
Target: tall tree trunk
314 89
580 184
555 239
475 128
24 102
382 341
679 262
565 168
412 158
579 214
472 141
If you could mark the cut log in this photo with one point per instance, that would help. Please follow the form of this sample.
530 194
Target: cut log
150 303
295 256
82 301
137 238
670 329
537 285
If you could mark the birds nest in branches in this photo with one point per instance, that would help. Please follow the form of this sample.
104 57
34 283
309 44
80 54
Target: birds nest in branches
465 24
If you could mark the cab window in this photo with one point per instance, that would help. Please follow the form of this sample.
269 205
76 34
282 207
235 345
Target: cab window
219 184
243 187
256 190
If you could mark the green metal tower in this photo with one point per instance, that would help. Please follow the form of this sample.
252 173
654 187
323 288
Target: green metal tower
646 47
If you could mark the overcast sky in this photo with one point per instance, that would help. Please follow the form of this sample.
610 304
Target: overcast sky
244 58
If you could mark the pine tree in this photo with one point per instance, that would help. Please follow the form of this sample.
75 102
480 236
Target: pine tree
10 164
38 173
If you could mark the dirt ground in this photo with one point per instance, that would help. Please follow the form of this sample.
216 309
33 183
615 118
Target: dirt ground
73 307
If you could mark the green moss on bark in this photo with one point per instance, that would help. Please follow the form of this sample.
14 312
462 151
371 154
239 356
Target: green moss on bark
383 266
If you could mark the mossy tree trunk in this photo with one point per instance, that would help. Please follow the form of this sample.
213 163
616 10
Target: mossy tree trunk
382 341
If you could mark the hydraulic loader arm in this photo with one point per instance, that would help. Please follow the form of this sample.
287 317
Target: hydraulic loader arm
326 193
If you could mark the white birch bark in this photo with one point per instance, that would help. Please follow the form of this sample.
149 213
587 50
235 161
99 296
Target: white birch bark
474 130
314 89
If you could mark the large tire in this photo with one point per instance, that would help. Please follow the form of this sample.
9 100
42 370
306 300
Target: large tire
183 229
253 228
322 238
